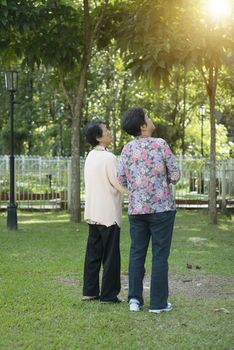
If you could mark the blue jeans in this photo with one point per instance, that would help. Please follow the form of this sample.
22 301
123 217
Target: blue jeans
159 227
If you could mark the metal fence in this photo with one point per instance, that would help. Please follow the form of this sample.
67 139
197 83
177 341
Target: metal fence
40 183
44 183
193 188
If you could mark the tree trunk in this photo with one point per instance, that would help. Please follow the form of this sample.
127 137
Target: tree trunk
212 190
183 114
114 131
30 93
211 86
76 108
213 72
75 208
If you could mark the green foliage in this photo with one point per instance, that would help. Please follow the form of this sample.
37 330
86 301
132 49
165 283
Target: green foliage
46 41
41 33
193 139
43 117
161 34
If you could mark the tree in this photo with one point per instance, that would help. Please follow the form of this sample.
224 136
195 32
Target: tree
61 36
161 34
89 34
60 40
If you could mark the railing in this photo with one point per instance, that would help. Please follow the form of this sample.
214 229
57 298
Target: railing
40 183
44 183
193 187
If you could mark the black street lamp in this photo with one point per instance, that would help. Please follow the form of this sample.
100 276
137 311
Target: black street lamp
11 80
202 111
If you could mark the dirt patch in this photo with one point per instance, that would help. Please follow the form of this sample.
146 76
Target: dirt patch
201 287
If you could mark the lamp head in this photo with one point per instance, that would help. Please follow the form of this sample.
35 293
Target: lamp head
11 80
202 110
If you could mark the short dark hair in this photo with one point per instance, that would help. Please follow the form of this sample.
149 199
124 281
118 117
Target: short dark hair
133 119
93 130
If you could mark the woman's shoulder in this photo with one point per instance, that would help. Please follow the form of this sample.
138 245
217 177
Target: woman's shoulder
109 156
157 140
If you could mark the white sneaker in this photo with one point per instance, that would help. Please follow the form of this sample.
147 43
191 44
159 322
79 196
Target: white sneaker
165 309
134 305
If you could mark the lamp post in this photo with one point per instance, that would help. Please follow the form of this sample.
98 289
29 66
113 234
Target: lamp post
11 80
202 111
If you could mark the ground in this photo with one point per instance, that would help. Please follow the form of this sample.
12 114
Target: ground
203 287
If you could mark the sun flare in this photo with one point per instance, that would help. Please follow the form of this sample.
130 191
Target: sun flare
219 8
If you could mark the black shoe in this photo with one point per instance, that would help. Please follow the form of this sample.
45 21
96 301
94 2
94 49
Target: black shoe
114 301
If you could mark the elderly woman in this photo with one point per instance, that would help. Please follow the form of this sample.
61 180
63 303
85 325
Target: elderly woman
103 215
147 167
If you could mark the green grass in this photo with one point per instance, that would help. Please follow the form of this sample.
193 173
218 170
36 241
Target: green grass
41 286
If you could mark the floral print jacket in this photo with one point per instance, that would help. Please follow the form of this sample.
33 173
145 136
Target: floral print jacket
147 167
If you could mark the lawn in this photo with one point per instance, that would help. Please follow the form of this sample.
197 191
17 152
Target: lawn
41 288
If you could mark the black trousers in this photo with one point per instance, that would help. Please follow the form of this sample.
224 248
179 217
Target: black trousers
102 249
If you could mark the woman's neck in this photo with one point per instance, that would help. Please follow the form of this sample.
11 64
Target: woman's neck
145 134
100 147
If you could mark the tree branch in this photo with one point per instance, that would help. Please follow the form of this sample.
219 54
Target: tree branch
216 71
204 78
62 85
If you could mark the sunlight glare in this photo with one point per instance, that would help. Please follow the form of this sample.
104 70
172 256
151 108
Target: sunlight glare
219 8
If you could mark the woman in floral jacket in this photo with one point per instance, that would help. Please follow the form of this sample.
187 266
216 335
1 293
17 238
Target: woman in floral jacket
147 168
